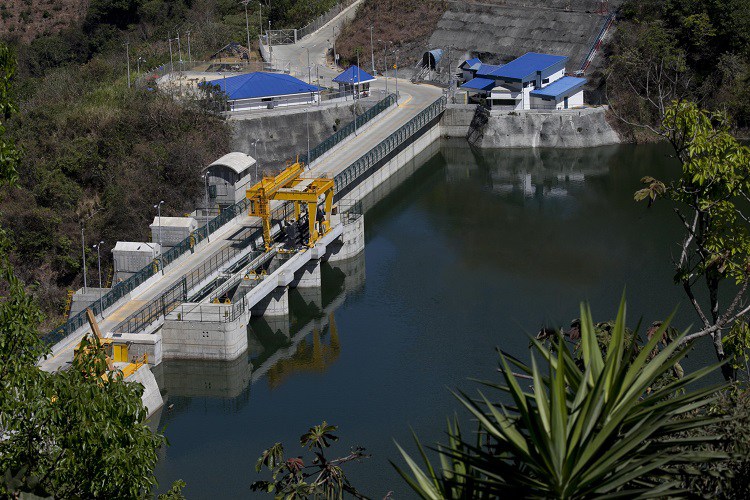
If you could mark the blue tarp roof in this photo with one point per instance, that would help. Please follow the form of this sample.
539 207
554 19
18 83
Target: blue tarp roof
527 65
487 69
470 63
253 85
479 84
354 75
558 89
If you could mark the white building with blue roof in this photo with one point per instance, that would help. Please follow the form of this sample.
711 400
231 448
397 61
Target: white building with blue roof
265 90
354 80
521 83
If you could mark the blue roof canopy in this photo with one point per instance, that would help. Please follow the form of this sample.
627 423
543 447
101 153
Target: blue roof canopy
564 87
255 85
353 76
528 65
479 84
471 63
487 69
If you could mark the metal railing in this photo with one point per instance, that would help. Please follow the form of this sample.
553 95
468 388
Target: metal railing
321 20
344 181
350 177
348 129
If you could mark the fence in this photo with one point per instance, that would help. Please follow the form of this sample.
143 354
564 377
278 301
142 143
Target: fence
348 129
350 177
321 20
343 182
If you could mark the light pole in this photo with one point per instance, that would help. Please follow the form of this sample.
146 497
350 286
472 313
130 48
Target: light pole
247 28
335 59
372 52
260 18
208 213
396 68
309 68
138 64
99 260
83 245
307 124
190 56
171 61
385 63
158 209
179 50
127 58
255 143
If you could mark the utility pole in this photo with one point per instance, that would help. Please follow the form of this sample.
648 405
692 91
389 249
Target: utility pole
127 57
372 52
190 57
247 28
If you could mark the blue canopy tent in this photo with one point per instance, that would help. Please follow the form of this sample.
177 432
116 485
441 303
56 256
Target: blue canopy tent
353 79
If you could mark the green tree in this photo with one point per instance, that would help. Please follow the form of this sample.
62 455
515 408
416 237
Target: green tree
321 476
710 198
565 431
79 433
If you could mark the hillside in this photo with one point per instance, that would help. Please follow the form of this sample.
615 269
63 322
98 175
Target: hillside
24 20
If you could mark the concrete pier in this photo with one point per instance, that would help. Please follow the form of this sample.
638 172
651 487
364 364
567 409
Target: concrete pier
276 303
204 331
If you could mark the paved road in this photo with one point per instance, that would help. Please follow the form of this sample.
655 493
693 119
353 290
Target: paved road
413 99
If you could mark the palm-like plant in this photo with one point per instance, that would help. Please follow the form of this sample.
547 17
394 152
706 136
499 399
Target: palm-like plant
604 430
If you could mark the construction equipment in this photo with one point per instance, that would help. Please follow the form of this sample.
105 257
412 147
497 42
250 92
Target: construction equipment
289 185
112 351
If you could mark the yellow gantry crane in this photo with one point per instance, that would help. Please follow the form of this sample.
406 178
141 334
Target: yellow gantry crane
289 185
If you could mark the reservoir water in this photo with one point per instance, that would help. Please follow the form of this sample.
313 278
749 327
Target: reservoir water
475 250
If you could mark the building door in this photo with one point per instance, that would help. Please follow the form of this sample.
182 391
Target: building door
565 106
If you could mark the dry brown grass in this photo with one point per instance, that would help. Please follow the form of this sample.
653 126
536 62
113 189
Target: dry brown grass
24 20
408 24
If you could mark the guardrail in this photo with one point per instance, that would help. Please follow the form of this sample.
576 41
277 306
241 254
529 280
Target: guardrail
343 181
348 129
349 177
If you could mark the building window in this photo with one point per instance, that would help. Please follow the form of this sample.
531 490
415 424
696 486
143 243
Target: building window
546 80
503 102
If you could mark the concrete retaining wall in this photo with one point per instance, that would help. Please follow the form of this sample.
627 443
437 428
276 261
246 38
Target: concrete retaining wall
219 340
582 128
283 135
151 397
456 120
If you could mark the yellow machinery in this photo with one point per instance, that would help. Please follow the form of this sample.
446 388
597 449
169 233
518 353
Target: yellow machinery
116 352
289 185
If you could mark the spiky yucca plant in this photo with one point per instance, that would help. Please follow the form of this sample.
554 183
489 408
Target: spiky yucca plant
606 430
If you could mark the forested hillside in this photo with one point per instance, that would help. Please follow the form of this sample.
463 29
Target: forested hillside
99 154
680 49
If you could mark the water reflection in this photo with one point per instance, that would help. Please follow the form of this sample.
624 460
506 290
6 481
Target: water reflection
306 340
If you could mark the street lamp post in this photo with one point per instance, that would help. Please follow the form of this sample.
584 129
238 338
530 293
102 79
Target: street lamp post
99 260
335 61
208 213
247 28
396 68
171 61
83 246
161 260
127 57
256 159
309 68
179 51
307 124
190 56
372 52
385 63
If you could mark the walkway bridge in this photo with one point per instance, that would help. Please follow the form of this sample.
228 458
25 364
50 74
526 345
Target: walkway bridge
230 245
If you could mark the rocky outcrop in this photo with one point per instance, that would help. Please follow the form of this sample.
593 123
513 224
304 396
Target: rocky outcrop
576 128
